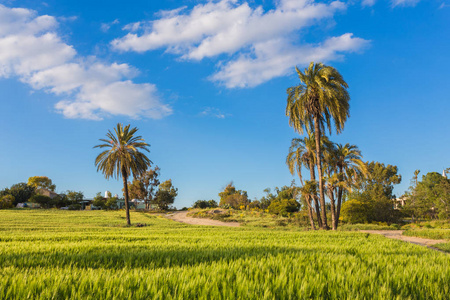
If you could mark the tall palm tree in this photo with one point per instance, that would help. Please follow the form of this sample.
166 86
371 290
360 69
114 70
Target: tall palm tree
123 158
302 153
320 98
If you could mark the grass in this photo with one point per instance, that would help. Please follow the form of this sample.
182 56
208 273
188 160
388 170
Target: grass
253 218
50 254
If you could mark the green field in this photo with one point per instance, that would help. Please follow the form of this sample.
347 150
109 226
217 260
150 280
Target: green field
49 254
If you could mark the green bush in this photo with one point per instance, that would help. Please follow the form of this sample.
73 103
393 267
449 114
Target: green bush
6 201
284 207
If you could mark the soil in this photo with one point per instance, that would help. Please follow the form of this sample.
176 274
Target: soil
181 216
398 235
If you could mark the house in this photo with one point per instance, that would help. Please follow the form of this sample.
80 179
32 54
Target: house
46 192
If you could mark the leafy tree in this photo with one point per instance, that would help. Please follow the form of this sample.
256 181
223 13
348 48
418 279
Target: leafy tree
376 191
122 157
99 201
6 201
233 198
165 195
44 201
429 198
41 182
266 200
21 192
321 97
111 203
145 186
285 201
205 204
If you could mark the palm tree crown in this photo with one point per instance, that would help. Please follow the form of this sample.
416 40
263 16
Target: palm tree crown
322 93
123 155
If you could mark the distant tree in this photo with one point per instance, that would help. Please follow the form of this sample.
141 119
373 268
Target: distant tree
74 196
111 203
376 191
41 182
6 201
99 201
429 198
122 157
165 195
285 201
44 201
205 204
21 192
144 187
320 98
265 201
233 198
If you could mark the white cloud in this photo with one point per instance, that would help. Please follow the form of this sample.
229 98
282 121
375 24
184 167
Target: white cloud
368 2
32 51
106 26
404 3
214 112
277 58
260 44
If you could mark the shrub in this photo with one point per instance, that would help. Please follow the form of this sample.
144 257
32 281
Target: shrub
355 211
6 201
284 207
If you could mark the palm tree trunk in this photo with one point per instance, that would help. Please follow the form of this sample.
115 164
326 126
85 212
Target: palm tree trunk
333 209
316 201
319 172
125 189
339 203
310 214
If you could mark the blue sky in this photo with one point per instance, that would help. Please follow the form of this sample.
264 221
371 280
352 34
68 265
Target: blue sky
205 82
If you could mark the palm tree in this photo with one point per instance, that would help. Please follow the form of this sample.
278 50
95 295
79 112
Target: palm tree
321 97
123 157
302 153
309 192
344 166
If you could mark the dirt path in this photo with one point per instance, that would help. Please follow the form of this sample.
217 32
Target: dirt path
397 234
181 216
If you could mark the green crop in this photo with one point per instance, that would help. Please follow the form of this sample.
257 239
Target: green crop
50 254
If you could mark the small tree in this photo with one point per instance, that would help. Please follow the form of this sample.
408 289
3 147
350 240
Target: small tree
166 195
233 198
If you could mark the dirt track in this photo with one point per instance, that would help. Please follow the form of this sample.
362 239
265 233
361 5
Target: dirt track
181 216
397 234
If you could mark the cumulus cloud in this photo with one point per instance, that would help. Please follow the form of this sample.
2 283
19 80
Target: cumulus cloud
277 58
259 44
404 3
32 51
